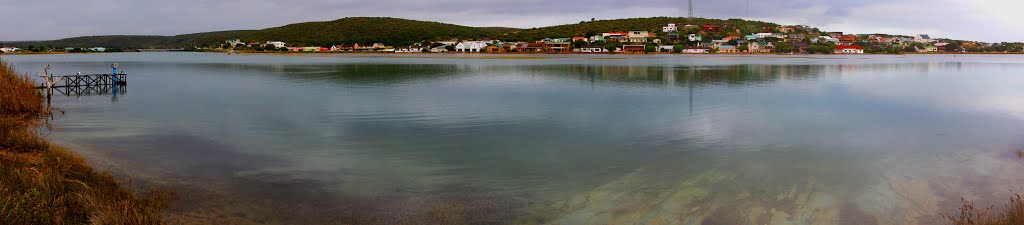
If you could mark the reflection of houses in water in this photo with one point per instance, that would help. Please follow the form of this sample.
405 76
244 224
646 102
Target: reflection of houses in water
683 75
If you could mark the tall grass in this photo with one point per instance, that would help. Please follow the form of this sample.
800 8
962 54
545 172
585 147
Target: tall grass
1011 214
41 183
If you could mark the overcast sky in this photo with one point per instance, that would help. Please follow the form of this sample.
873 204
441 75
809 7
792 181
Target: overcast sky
984 20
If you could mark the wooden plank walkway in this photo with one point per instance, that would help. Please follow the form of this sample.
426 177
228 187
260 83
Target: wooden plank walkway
86 80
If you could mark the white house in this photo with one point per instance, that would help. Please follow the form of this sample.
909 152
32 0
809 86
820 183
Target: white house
696 50
670 28
410 49
694 37
849 49
592 49
439 49
637 36
665 48
9 49
923 38
763 35
234 42
276 44
825 39
98 49
470 46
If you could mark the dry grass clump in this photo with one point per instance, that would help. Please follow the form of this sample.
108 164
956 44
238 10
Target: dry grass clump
41 183
1020 153
1011 214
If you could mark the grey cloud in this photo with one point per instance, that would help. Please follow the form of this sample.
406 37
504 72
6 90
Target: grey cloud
51 19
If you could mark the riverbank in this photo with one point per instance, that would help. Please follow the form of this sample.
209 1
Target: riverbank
42 183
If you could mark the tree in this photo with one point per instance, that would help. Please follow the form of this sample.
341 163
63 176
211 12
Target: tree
677 48
784 47
578 43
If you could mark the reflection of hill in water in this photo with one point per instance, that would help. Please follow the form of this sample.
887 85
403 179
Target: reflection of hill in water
746 74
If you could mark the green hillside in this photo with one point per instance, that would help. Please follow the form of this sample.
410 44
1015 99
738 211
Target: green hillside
364 30
368 30
588 28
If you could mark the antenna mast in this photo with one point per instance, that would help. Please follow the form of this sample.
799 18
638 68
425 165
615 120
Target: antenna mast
691 9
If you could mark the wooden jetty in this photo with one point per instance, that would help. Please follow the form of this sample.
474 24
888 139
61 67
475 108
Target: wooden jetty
85 80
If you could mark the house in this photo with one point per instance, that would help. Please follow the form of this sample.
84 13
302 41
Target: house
800 47
346 47
580 38
760 47
728 49
786 29
717 43
847 39
410 49
439 49
638 36
379 46
616 36
98 49
670 28
750 37
696 50
768 35
795 37
10 49
275 44
592 49
310 49
449 42
596 38
234 42
295 49
635 49
558 46
730 38
710 28
324 49
673 36
531 47
825 39
849 49
835 34
923 38
470 46
665 48
694 37
494 49
928 48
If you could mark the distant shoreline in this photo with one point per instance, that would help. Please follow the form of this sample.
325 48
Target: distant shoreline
496 54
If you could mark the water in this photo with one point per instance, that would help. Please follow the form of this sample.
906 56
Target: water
327 139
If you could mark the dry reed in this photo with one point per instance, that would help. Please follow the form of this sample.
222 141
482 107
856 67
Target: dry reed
41 183
1011 214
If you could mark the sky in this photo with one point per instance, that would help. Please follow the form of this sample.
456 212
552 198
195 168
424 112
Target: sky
980 20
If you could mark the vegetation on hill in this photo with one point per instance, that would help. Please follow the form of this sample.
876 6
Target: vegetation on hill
596 27
362 30
41 183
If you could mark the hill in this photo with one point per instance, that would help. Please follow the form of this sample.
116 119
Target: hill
365 30
589 28
392 31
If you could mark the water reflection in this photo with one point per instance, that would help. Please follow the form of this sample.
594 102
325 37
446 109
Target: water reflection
576 140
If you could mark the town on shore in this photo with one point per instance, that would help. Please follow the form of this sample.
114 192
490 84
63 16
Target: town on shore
672 38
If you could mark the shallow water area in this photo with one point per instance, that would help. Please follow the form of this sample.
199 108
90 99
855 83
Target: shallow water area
554 139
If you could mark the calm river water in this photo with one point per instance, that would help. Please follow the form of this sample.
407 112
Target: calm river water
553 139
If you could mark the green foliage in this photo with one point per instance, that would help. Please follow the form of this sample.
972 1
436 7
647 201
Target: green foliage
362 30
784 47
